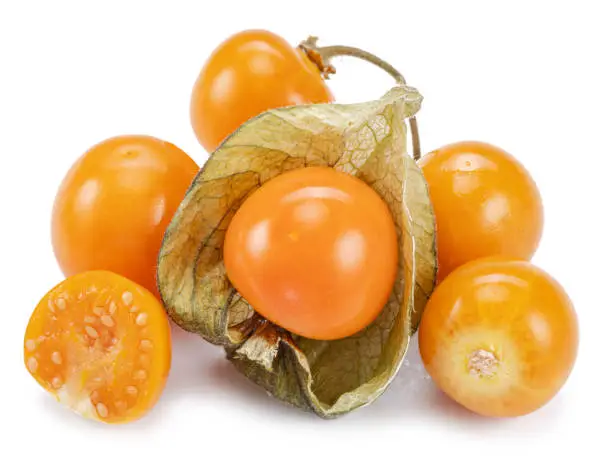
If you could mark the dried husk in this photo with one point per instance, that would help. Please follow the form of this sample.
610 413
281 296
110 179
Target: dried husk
367 140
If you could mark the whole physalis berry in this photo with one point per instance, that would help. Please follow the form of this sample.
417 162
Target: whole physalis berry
315 251
101 345
485 202
499 336
114 205
249 73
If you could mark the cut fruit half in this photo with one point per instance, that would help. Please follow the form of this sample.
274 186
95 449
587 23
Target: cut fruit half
100 344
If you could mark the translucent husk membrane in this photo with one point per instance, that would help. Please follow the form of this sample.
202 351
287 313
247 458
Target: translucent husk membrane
367 140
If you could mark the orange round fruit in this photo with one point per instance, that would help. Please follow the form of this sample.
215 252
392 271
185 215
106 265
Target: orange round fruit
251 72
314 251
499 336
485 203
114 205
101 345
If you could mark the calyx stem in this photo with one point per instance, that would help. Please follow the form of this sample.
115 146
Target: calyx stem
322 56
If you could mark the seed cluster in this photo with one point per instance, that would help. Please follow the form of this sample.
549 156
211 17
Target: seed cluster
100 330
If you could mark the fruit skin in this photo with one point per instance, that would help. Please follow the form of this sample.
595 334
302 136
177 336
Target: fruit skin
509 310
314 251
82 370
485 203
251 72
113 206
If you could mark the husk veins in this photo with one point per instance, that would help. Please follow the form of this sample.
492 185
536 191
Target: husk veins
368 140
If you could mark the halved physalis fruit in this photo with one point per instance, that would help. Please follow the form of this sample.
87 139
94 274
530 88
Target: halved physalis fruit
100 344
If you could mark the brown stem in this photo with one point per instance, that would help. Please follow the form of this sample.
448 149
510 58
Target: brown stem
322 56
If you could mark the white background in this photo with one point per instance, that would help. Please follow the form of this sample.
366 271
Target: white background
532 77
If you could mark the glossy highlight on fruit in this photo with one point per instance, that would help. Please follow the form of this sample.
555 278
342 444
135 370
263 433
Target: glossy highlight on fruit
101 345
499 336
251 72
485 203
113 206
314 251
